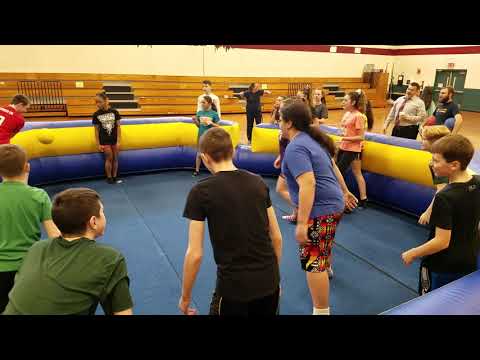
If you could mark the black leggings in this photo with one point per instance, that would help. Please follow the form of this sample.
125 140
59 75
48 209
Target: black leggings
345 159
251 116
6 284
266 306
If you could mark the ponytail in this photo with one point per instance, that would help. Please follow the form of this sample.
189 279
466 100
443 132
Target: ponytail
323 139
209 100
427 96
102 95
363 105
308 92
324 101
369 115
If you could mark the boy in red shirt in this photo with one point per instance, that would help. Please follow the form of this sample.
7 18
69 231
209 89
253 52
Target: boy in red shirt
11 118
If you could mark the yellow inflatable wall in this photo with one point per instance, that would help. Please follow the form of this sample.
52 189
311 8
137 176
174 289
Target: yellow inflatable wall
397 162
81 140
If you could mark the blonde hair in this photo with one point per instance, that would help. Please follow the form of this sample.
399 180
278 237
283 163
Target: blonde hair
324 94
434 132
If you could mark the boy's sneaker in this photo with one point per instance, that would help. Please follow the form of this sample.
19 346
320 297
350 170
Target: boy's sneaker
195 173
117 181
110 181
362 203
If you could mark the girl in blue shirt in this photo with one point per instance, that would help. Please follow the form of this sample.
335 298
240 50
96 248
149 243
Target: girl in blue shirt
319 192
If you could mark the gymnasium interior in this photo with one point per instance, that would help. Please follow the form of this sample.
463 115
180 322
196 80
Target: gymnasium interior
155 90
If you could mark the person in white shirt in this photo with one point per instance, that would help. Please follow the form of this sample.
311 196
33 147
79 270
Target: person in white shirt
207 90
407 113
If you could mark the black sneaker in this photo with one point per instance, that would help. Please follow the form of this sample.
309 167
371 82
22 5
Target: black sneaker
110 181
195 173
362 203
117 181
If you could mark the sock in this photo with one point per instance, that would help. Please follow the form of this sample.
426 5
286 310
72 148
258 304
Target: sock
321 311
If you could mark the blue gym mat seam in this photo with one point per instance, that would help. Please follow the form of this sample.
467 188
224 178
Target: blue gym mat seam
365 261
156 241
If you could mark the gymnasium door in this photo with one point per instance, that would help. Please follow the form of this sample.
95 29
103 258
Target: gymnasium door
454 78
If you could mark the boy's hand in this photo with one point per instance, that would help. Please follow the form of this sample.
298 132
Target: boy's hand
118 145
301 234
184 304
408 257
424 218
101 148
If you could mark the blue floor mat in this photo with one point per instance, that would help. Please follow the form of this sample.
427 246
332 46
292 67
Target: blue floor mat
154 283
377 235
145 223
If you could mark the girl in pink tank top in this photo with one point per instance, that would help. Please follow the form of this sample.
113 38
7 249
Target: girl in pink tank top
357 119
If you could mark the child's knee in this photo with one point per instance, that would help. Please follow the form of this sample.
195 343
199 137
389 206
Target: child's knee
356 171
108 155
278 188
358 176
281 185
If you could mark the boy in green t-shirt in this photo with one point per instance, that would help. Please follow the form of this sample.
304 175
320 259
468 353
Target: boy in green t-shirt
23 209
205 119
71 274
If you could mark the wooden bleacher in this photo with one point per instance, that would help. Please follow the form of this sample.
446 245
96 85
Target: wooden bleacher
177 95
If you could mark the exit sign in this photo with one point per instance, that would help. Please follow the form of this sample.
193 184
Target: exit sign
451 65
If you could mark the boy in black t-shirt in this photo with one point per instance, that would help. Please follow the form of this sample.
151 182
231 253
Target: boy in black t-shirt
429 135
106 121
244 233
453 249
